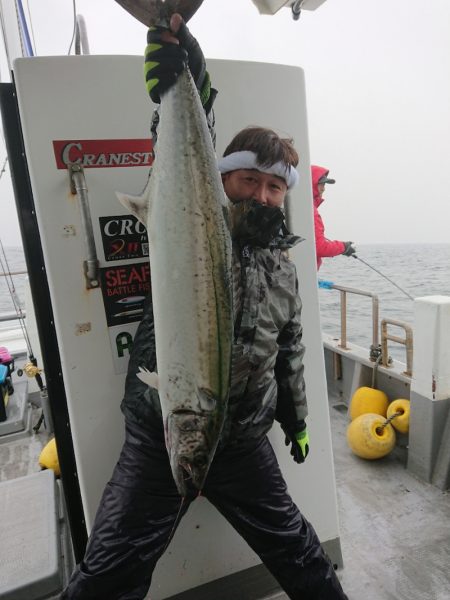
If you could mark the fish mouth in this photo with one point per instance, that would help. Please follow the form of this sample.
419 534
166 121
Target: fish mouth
189 450
194 469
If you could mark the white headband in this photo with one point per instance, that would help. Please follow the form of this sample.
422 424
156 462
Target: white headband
248 160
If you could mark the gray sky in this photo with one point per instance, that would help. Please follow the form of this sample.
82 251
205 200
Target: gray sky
378 95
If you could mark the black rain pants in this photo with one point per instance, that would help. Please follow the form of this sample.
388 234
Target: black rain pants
141 508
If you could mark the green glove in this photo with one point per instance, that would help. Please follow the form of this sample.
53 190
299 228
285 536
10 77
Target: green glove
297 435
165 61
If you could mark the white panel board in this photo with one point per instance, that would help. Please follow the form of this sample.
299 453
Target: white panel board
86 99
432 347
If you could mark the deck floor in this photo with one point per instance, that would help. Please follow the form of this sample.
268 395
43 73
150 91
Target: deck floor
20 456
395 530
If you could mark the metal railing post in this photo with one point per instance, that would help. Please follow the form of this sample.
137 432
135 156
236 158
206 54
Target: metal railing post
407 341
343 343
343 307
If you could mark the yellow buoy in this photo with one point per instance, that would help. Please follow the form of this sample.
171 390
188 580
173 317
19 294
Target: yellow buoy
368 400
48 458
401 421
369 437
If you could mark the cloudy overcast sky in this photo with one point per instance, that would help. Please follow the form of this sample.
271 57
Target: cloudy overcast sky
378 95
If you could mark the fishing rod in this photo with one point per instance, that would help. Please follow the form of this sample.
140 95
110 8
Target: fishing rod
31 369
13 295
382 275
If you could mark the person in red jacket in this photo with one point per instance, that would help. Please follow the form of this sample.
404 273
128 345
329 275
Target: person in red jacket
324 246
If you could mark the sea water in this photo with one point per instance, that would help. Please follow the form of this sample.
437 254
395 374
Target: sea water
12 260
418 269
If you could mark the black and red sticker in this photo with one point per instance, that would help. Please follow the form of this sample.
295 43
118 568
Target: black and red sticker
124 289
124 237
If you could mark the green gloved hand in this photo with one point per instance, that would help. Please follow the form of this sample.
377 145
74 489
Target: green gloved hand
297 435
165 61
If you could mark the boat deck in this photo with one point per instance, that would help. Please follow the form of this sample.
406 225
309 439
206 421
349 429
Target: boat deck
395 529
20 456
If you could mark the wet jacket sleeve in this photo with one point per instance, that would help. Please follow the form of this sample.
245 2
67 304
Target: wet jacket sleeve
324 246
289 370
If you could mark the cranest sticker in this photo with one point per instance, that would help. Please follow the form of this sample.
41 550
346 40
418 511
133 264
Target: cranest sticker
100 154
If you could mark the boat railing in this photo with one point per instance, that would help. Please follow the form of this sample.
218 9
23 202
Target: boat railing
11 316
343 307
407 341
378 352
13 273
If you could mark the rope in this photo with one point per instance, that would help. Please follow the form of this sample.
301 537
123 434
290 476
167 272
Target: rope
388 421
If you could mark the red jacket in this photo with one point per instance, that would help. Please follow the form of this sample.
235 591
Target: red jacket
324 246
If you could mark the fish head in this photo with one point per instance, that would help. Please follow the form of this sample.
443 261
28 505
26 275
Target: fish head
190 447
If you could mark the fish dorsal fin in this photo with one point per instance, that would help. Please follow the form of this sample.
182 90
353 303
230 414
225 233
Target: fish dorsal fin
137 205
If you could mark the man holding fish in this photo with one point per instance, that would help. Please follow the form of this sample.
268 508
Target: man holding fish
214 442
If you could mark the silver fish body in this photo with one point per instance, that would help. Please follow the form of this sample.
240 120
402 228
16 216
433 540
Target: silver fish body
190 261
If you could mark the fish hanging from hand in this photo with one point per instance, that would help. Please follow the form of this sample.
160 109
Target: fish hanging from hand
190 261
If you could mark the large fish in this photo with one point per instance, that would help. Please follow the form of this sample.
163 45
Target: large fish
190 261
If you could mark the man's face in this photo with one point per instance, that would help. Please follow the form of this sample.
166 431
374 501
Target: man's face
321 188
250 184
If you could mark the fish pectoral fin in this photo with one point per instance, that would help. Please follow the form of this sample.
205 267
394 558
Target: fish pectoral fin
137 205
148 377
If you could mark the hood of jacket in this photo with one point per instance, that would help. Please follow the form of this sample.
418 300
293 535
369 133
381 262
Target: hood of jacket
316 174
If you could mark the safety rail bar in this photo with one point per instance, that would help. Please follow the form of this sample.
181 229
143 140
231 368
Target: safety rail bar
11 316
407 342
375 312
13 273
